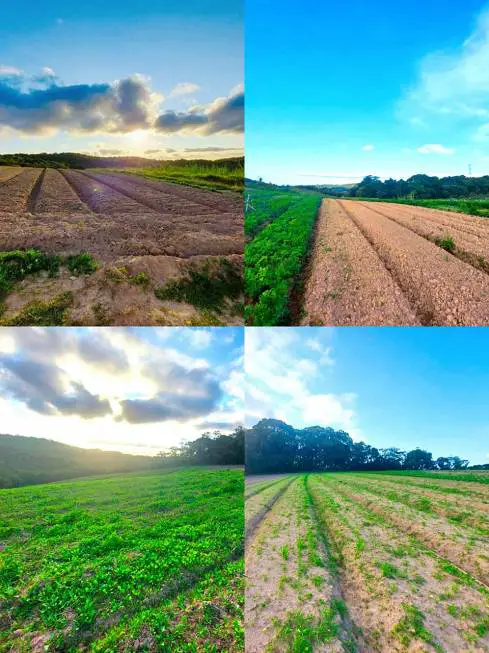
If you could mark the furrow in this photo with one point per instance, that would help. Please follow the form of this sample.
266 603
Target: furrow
15 192
444 290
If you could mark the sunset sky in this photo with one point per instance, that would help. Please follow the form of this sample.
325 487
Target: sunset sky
154 79
131 390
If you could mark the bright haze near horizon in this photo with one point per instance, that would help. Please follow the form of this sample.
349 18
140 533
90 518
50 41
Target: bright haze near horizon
138 391
338 91
161 80
390 387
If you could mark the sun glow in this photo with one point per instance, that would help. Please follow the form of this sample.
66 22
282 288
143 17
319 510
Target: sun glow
138 135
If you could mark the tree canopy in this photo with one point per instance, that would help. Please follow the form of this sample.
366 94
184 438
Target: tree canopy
421 187
273 446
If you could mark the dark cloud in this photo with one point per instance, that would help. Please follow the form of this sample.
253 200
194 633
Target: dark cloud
46 390
223 116
198 395
115 108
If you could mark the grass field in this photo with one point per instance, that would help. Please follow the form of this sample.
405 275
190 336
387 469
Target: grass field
142 561
368 562
478 207
279 225
226 174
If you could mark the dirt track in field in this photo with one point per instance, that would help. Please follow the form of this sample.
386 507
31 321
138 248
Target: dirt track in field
380 264
123 221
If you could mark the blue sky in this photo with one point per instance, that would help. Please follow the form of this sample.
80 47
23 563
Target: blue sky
132 390
396 387
336 91
189 56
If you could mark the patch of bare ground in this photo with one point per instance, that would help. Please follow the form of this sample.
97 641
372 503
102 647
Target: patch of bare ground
259 504
387 579
461 546
8 172
15 192
122 294
473 248
348 284
443 289
140 237
286 573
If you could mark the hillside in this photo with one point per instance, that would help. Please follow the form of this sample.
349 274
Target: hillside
25 460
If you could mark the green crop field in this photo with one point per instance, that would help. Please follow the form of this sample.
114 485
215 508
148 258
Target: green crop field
143 561
360 561
279 224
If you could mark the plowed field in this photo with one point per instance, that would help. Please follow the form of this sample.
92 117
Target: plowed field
151 231
390 264
368 563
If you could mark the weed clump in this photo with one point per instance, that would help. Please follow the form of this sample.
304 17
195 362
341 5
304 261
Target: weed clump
205 288
52 313
447 243
17 264
83 263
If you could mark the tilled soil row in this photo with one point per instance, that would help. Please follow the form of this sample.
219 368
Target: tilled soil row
7 173
465 222
219 202
448 542
161 202
476 512
383 571
464 488
57 198
260 504
348 283
443 289
286 573
16 191
257 488
470 248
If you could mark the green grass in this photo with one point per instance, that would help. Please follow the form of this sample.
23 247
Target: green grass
300 633
447 243
18 264
83 263
411 627
468 476
104 563
479 207
274 260
206 287
225 174
37 313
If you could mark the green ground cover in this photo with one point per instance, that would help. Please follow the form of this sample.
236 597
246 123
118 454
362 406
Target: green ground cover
143 561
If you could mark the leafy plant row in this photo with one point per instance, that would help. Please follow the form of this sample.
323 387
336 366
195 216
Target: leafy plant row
273 262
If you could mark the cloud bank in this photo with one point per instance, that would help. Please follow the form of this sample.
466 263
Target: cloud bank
43 105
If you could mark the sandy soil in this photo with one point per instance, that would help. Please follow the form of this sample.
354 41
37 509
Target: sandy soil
125 223
280 576
384 570
377 264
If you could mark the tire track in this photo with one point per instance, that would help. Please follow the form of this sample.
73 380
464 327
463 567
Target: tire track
262 488
444 290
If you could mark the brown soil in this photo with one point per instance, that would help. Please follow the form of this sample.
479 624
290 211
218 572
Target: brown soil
123 222
348 283
378 264
388 571
280 577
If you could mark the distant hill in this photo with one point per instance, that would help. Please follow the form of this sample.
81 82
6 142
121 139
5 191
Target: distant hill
81 161
25 461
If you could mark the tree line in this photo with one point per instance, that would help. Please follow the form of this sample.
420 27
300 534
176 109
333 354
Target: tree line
27 460
273 446
420 187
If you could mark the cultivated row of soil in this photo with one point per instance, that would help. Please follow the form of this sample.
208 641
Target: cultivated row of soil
383 264
357 562
125 222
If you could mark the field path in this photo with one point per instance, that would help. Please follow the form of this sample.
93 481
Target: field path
378 264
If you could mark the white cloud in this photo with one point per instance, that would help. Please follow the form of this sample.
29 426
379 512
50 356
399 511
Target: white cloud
368 148
452 85
184 88
435 148
283 384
